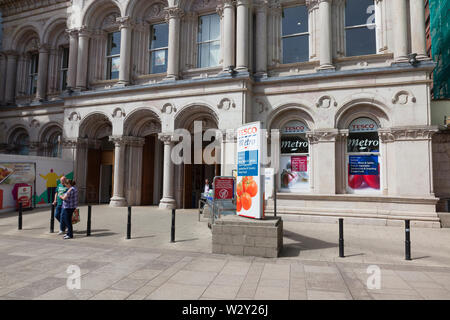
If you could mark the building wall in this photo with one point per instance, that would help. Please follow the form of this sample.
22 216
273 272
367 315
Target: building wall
327 93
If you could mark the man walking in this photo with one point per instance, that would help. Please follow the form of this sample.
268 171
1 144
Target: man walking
61 189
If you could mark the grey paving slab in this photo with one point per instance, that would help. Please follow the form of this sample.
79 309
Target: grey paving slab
33 263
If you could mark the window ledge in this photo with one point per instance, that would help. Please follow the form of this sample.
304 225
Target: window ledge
203 70
299 65
103 82
151 76
365 57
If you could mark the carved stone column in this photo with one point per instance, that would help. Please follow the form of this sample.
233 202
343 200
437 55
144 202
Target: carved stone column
82 58
125 50
418 40
173 17
11 71
261 39
118 199
326 54
228 43
42 73
400 27
167 201
242 40
73 55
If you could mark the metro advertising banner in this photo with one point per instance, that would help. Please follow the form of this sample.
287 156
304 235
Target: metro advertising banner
250 179
363 172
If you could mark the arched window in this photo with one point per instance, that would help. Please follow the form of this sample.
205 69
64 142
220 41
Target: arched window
294 159
20 141
295 34
362 156
33 73
360 27
159 39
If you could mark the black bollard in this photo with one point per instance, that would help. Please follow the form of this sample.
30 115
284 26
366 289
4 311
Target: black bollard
274 197
88 228
52 219
129 224
407 241
172 231
20 216
341 237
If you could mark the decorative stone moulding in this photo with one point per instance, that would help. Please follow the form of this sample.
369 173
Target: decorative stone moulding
226 104
74 116
322 135
260 106
403 97
407 134
168 108
34 123
118 113
326 102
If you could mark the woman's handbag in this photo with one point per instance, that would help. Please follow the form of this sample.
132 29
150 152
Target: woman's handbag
76 216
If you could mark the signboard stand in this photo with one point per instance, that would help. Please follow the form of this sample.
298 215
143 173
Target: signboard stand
224 196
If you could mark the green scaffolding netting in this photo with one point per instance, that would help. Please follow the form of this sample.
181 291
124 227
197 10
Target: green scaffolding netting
440 46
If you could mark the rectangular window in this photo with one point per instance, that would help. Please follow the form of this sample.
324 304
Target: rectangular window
208 41
159 39
64 68
33 75
295 35
113 56
360 27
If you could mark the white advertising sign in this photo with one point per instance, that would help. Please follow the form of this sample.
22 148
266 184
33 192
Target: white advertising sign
250 180
269 183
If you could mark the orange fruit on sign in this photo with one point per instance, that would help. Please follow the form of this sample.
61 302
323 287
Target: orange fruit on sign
238 204
251 188
239 189
246 201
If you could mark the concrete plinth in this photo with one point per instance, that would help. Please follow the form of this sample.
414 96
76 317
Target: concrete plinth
247 237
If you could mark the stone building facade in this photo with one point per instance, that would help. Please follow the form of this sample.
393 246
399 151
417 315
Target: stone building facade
107 82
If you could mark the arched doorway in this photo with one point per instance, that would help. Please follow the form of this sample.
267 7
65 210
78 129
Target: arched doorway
95 130
192 175
144 158
19 141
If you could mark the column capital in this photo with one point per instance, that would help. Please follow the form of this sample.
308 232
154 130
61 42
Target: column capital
261 6
227 3
322 135
173 13
124 22
44 48
11 53
312 4
84 31
167 138
243 2
72 32
119 141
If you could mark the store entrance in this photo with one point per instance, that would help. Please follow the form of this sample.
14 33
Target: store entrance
100 172
151 171
194 182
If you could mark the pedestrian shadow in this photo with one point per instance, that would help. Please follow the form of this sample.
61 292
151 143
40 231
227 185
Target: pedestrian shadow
92 231
302 243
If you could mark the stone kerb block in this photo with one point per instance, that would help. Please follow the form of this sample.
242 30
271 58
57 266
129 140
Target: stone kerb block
247 237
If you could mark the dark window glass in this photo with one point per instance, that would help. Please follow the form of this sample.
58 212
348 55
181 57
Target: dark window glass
114 44
158 47
295 37
360 27
295 20
296 49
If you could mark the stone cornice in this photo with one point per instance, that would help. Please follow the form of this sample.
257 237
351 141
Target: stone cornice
325 135
13 7
407 133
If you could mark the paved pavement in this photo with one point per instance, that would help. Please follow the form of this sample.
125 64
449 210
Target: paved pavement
34 263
